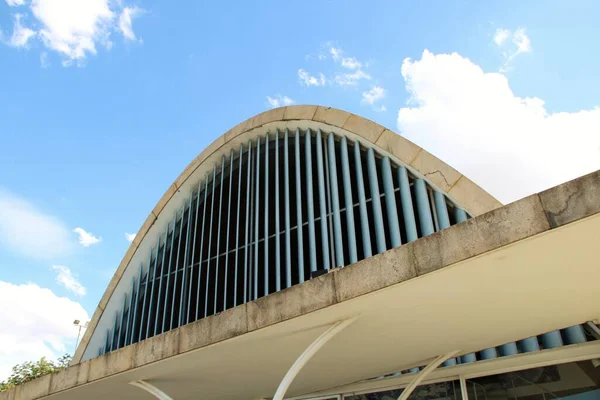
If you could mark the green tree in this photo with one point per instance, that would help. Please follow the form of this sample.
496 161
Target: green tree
30 370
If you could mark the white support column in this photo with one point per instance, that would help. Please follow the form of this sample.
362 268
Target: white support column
308 354
153 390
463 388
423 374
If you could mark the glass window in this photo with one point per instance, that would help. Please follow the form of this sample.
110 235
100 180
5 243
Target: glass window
438 391
572 381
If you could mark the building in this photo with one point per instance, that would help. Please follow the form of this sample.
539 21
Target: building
309 253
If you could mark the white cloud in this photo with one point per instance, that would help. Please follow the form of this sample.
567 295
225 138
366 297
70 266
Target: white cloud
336 53
380 108
351 79
29 231
509 145
35 323
65 277
309 80
74 28
351 63
125 18
44 60
373 95
279 101
15 3
520 41
501 36
21 34
86 239
129 236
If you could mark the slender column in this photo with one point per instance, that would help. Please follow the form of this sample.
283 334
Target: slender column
184 278
312 245
177 265
376 202
237 226
136 301
167 287
390 202
150 305
362 203
277 227
199 284
248 210
189 305
227 236
146 289
322 199
286 201
407 206
256 226
335 202
425 218
130 314
212 213
162 278
349 204
219 235
299 201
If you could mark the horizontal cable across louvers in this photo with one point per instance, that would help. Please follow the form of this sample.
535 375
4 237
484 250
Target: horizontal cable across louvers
270 215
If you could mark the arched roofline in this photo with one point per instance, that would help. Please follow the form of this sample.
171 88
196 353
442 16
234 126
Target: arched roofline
439 174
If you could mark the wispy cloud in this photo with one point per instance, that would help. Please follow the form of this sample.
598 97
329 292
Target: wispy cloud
29 231
73 28
129 236
351 79
279 100
65 277
519 44
373 95
44 62
351 63
86 239
21 35
309 80
125 21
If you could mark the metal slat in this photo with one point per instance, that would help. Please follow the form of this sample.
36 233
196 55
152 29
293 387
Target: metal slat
189 307
145 295
184 278
256 227
286 201
228 225
130 314
362 203
237 225
212 207
335 202
198 286
277 244
150 306
312 246
349 204
299 208
322 200
177 266
250 231
219 235
134 324
121 322
376 202
390 202
408 211
162 278
423 208
167 285
266 219
248 209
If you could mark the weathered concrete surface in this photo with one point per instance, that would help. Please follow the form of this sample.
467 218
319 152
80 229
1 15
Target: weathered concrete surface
473 198
216 328
517 221
573 200
297 300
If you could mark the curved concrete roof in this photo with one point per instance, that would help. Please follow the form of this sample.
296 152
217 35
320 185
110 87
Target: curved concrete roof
439 174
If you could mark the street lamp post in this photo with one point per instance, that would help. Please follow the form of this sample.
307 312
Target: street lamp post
80 325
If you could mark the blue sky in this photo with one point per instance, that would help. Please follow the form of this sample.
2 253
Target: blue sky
103 103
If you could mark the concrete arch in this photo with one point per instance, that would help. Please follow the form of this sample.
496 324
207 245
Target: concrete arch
439 174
